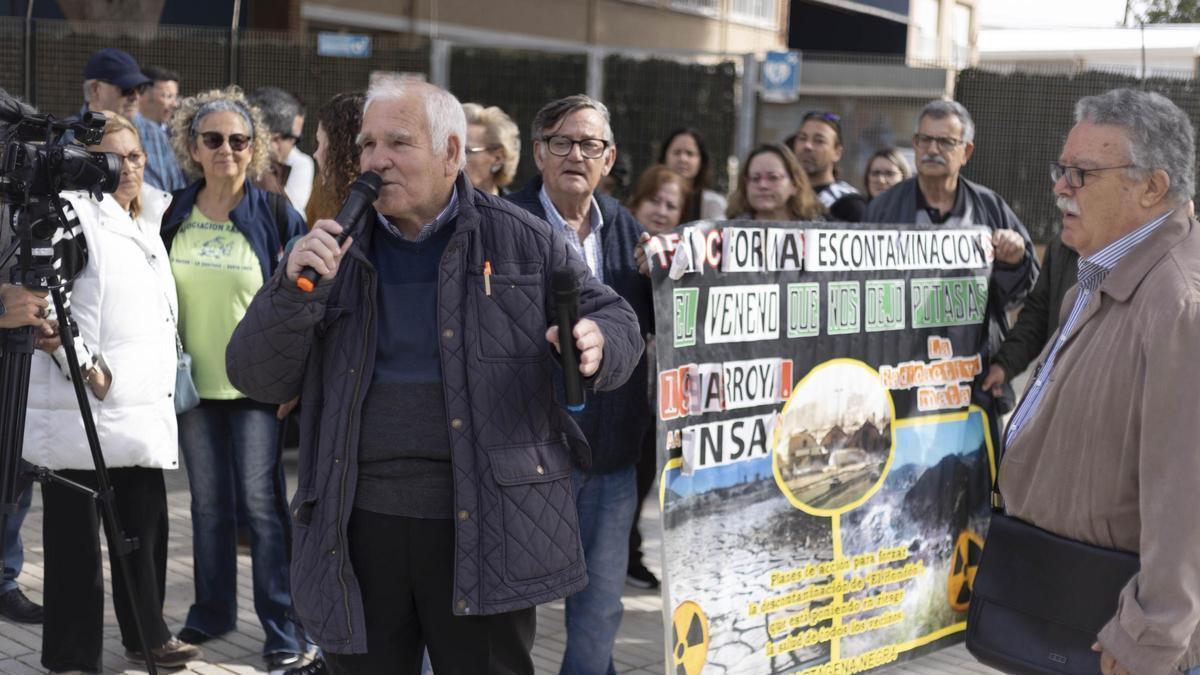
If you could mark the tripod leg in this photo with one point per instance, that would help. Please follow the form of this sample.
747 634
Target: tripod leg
16 351
104 496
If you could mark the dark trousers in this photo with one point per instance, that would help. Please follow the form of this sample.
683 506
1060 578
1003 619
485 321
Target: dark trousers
405 570
647 471
74 583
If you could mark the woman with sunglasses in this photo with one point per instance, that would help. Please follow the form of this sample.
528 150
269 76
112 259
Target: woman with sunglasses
124 304
225 238
772 186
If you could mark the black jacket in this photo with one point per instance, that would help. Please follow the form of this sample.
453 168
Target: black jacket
614 421
1040 314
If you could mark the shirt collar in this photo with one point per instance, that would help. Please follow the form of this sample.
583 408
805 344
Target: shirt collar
428 229
1094 268
559 223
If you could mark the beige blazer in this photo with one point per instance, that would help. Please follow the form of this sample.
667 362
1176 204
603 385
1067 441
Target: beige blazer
1112 455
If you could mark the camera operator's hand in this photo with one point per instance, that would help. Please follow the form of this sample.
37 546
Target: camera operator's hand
48 339
319 250
23 306
99 379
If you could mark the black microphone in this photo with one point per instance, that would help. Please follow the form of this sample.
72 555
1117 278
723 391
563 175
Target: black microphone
565 288
363 192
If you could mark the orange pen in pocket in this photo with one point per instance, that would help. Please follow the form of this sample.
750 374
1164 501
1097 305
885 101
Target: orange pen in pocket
487 277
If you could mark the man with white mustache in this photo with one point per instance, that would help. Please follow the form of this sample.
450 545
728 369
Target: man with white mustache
938 194
1103 447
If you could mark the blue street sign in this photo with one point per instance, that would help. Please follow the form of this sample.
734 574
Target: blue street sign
781 76
344 45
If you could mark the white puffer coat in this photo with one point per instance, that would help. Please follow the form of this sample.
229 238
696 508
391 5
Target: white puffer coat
124 303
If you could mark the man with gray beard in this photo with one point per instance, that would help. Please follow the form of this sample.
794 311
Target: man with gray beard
938 194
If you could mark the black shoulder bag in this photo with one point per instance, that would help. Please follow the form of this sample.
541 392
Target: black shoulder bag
1039 599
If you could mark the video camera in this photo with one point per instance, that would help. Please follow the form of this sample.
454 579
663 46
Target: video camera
37 163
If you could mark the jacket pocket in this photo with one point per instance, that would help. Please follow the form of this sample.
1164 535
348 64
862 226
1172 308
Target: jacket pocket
511 321
540 523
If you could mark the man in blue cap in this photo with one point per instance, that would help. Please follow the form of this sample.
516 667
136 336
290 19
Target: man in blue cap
112 81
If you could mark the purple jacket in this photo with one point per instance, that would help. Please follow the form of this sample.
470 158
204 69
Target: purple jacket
512 445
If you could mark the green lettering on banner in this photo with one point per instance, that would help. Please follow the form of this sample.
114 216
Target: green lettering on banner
843 307
948 301
885 305
803 310
686 302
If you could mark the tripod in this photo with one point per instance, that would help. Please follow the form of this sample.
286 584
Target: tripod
36 225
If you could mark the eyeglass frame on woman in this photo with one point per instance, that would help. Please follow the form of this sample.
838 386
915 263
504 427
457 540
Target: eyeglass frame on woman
1062 171
471 150
549 143
206 136
925 140
129 158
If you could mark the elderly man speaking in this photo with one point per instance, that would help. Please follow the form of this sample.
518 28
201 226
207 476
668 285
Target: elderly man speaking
1105 448
434 506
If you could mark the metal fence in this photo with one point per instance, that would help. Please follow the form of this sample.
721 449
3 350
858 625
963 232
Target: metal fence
1021 113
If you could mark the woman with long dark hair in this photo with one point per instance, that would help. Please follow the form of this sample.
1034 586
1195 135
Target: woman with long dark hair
685 152
338 122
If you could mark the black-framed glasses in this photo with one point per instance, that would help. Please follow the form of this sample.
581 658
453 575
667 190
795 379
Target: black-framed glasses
136 158
590 148
1075 175
944 143
215 139
135 91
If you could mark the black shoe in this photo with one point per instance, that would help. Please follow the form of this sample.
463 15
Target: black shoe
193 636
14 606
640 577
314 667
174 654
282 660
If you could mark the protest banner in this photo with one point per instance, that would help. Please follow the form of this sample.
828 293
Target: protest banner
826 476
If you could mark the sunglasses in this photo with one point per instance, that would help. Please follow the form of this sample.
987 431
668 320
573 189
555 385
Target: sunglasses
135 91
215 139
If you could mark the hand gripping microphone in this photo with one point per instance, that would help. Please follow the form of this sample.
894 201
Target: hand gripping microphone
565 288
363 192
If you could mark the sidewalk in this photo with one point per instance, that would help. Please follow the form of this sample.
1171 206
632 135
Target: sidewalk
639 648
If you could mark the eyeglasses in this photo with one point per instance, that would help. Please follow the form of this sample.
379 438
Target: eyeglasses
135 91
215 139
489 148
769 178
286 137
136 158
945 144
1075 175
590 148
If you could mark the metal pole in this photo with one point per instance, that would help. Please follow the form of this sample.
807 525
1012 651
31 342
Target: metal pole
29 52
233 41
439 63
595 73
748 110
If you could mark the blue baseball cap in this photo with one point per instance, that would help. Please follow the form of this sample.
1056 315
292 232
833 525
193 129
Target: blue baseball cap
116 68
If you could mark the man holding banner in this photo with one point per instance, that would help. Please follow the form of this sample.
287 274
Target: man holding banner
1098 450
938 194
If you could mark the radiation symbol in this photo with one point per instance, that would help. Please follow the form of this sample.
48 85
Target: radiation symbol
967 551
689 633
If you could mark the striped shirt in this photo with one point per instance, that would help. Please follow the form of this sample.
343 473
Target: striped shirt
1092 272
588 249
162 170
449 213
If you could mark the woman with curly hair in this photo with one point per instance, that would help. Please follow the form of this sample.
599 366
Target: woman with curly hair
772 186
224 238
337 153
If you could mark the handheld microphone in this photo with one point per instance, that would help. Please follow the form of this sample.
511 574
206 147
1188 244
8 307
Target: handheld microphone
565 288
363 192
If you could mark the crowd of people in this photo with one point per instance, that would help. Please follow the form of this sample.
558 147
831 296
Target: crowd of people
443 492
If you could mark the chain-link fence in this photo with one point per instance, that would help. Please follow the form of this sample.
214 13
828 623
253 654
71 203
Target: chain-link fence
1021 113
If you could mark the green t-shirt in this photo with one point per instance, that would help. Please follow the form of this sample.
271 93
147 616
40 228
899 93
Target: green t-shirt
216 275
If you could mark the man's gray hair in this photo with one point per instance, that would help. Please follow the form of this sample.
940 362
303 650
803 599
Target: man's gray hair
940 109
443 112
1160 134
279 109
553 113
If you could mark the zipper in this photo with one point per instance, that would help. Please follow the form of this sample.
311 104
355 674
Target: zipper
370 307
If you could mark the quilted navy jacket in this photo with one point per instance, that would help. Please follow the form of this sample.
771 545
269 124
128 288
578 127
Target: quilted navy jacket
614 422
511 446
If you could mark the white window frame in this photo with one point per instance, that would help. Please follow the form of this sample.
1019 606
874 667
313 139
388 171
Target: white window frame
753 19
